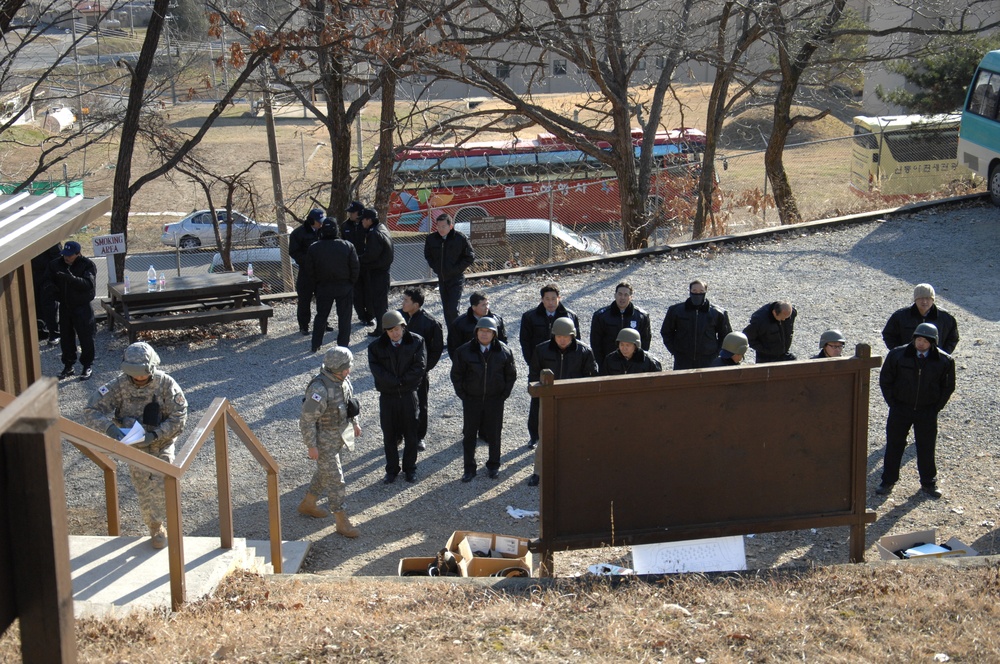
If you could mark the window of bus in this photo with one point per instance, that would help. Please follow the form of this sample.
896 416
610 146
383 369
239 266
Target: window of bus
985 95
924 145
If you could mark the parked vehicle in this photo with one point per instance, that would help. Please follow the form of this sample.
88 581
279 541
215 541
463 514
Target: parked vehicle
979 136
196 230
266 265
527 243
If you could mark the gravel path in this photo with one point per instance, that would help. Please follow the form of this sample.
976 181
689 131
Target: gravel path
850 277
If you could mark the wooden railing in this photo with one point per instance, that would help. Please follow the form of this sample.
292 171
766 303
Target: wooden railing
220 417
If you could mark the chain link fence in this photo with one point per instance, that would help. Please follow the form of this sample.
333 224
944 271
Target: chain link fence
537 223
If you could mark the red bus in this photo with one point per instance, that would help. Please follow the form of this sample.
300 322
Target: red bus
539 178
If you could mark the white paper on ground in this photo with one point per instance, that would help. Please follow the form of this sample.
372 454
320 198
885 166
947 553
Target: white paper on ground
136 434
519 513
716 554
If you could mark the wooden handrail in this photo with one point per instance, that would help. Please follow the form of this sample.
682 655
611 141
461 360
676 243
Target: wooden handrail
217 420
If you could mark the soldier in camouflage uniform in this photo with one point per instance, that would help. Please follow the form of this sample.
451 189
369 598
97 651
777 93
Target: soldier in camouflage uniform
326 429
143 393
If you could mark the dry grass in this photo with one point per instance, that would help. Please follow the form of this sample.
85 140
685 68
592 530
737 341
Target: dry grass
908 612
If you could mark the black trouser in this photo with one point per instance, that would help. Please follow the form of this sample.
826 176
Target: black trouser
897 426
377 294
305 290
422 392
361 299
45 310
325 298
398 416
77 321
485 415
451 293
533 419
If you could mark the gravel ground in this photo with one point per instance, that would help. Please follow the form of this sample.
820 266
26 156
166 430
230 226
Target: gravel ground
851 277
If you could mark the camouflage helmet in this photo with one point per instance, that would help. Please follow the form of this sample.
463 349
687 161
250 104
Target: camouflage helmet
337 359
928 331
487 323
630 335
831 336
736 343
391 319
140 360
563 327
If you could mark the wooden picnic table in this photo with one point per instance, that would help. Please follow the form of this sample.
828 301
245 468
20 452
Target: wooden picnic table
186 302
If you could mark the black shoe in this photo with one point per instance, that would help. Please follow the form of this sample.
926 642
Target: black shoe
420 445
411 477
375 333
884 489
468 476
315 349
533 480
532 443
67 371
303 331
330 329
54 341
493 473
86 373
389 479
930 490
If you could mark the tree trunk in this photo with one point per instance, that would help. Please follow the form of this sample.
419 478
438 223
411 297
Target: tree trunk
774 166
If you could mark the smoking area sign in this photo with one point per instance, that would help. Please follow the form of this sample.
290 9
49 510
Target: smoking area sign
108 245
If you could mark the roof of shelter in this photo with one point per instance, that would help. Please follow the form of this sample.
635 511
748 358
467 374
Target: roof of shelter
30 224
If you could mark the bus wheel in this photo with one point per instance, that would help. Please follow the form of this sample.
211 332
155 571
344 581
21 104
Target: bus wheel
994 184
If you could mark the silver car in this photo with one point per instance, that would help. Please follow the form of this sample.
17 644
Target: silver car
195 230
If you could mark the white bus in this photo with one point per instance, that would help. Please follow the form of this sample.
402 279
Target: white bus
979 139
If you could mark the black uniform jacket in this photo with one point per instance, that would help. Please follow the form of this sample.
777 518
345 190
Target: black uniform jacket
915 384
397 370
478 375
536 327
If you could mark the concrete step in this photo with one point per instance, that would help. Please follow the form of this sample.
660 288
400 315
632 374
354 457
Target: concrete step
117 575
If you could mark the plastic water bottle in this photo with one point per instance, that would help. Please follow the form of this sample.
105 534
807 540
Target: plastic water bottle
249 271
128 284
151 279
163 280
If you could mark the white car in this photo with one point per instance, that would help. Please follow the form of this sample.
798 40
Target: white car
195 230
528 244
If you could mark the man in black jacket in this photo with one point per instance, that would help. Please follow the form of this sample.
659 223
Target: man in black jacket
449 254
376 259
770 332
299 241
567 358
901 324
916 381
693 330
483 374
420 322
629 358
332 267
352 231
463 329
397 360
536 328
72 281
610 320
46 307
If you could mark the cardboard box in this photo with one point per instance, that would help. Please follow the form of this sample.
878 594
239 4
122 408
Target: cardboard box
888 545
456 539
416 564
490 566
507 551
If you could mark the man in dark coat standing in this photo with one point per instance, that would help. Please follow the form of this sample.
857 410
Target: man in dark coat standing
376 259
352 231
610 320
536 328
693 330
420 322
483 374
332 267
72 281
299 241
901 324
397 360
449 254
46 308
567 358
916 381
463 329
770 332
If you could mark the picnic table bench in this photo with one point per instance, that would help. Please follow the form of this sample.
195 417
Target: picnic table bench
185 302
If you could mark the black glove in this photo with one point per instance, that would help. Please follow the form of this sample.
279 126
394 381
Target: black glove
151 414
62 276
150 437
114 432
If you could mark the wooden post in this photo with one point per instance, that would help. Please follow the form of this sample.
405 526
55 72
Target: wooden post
274 519
175 543
222 481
